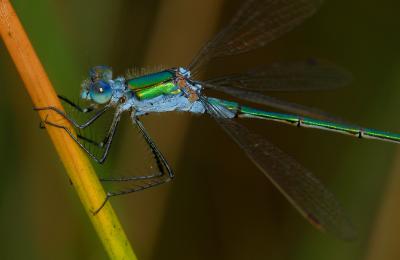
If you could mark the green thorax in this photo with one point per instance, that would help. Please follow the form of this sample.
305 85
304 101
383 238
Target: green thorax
153 85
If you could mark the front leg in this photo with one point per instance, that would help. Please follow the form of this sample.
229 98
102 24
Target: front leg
73 121
93 142
87 109
108 138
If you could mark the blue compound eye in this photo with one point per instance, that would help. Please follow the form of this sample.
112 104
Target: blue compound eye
100 73
100 92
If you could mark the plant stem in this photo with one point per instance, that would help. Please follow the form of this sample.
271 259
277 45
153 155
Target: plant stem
384 239
78 167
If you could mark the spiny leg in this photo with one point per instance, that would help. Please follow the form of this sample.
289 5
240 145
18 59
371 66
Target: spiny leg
93 142
87 109
42 125
158 157
145 186
73 121
154 180
109 138
126 178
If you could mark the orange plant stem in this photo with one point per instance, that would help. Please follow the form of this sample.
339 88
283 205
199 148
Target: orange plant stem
75 161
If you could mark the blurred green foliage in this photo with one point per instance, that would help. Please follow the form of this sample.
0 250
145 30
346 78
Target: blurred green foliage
219 206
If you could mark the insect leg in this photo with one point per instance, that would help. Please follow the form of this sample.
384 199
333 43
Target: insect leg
164 175
109 138
87 109
71 120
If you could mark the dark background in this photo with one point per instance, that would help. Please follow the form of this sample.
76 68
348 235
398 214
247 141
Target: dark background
219 206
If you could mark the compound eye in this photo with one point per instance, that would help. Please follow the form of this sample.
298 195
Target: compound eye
100 73
100 92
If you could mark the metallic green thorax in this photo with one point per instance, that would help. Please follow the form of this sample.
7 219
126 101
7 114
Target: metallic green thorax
244 111
153 85
167 88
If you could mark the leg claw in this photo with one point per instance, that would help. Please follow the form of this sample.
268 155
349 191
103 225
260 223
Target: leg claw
42 123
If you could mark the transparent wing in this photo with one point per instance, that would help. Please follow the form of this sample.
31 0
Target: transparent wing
298 185
256 24
286 76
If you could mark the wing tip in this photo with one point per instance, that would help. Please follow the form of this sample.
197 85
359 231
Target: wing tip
345 231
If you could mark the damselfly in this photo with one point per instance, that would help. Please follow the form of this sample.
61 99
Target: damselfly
257 23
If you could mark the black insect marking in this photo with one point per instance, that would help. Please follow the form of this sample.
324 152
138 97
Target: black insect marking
360 134
299 123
